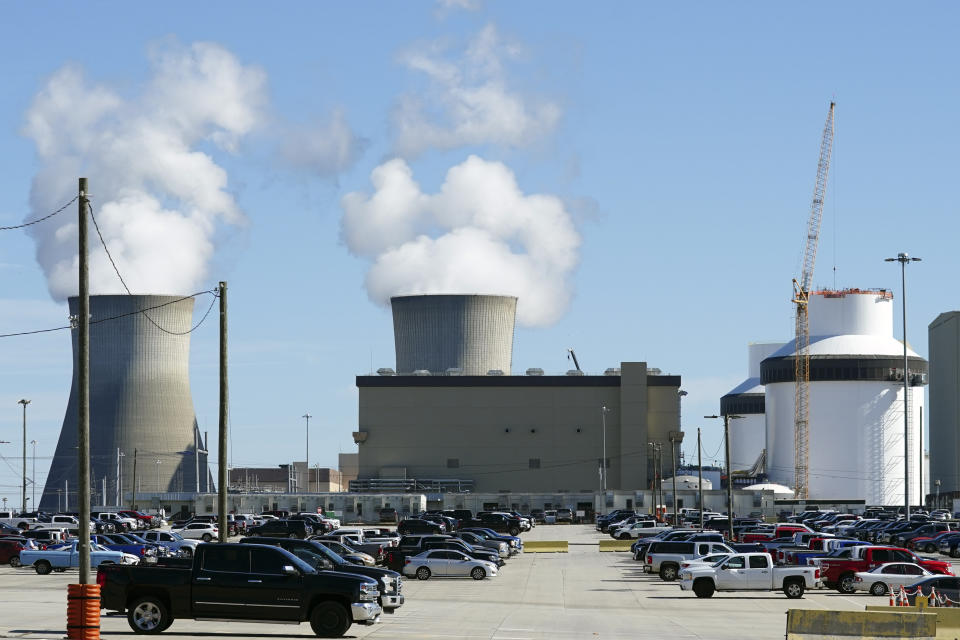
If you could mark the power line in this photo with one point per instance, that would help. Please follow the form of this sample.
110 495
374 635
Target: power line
127 289
46 217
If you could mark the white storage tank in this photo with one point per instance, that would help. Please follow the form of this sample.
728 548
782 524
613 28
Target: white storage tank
856 426
748 435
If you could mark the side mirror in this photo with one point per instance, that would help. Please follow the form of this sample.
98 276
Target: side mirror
290 570
725 567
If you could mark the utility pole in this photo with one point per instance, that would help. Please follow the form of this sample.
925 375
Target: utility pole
133 483
675 437
83 378
120 457
33 473
222 471
726 440
308 416
700 477
23 495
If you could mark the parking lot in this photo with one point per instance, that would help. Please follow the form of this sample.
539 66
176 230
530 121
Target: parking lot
580 594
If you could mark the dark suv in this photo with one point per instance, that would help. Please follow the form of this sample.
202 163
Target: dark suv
388 514
282 529
417 526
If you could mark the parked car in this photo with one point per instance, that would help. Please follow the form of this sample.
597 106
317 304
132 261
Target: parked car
417 526
348 553
474 539
172 541
447 563
282 529
664 558
892 575
198 531
565 515
389 514
10 549
321 558
279 587
840 573
946 586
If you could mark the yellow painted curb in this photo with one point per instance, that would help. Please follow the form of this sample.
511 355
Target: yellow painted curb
948 619
545 546
615 545
807 624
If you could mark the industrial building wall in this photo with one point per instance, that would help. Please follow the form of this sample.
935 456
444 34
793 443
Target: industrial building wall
944 415
534 439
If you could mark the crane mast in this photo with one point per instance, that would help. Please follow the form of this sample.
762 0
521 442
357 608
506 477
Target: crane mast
801 297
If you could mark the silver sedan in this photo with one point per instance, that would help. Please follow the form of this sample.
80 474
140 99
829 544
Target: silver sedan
447 563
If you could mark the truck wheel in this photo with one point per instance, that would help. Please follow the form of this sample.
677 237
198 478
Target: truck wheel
207 537
514 532
703 588
329 620
878 589
148 615
42 567
478 573
15 561
423 573
846 583
668 572
793 589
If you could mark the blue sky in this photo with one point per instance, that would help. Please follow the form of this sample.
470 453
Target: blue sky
680 140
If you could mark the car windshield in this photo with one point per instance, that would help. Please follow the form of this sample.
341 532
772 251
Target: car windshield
329 554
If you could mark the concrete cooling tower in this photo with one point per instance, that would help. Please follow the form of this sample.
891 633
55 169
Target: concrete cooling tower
139 400
471 333
748 434
856 426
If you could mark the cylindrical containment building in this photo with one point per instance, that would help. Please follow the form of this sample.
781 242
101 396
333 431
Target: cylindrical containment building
856 428
471 334
748 433
140 403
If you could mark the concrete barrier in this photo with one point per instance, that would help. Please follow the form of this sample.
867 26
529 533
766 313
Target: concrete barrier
893 622
948 618
615 545
545 546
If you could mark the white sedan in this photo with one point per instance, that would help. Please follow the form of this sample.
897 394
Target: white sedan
891 575
205 531
447 563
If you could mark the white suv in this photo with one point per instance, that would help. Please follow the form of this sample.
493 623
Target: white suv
205 531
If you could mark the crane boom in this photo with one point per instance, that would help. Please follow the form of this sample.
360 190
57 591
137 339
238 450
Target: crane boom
801 297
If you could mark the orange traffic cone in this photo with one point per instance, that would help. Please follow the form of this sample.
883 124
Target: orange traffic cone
932 600
893 601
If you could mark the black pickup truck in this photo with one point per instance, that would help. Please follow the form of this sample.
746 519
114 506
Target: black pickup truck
242 583
321 558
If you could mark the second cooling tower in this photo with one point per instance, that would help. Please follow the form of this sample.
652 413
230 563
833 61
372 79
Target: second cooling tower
469 333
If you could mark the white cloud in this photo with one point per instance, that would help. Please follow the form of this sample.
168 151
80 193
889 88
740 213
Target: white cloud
469 101
323 148
479 234
157 197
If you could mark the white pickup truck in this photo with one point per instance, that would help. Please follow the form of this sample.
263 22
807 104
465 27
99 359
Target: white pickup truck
749 572
12 519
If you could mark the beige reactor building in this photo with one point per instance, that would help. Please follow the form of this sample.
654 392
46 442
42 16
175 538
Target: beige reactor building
438 423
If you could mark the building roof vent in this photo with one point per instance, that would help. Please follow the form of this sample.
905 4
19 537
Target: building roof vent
495 372
575 372
535 371
612 371
386 371
421 372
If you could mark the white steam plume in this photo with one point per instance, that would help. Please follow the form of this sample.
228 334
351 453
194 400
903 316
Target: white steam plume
469 101
479 234
157 196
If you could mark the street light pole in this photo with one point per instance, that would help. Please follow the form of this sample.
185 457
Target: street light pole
603 461
700 477
33 476
23 494
308 416
726 439
903 259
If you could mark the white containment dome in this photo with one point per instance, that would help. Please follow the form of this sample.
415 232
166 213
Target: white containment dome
748 434
856 427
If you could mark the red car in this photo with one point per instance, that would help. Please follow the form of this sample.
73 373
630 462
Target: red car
10 549
149 521
841 573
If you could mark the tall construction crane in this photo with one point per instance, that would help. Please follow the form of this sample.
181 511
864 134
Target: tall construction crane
801 297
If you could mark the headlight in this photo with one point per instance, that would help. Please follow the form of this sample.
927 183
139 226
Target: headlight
369 591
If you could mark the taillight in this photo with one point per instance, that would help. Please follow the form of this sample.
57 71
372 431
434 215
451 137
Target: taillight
143 551
101 578
406 561
816 574
649 560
